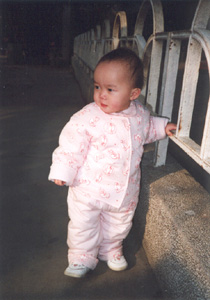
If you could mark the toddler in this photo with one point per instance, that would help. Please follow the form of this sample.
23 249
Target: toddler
99 157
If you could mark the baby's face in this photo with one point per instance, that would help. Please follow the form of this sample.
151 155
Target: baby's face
112 87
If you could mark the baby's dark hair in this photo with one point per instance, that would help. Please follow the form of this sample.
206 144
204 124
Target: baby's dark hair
131 59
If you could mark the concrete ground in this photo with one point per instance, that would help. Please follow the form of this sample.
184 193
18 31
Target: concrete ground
36 103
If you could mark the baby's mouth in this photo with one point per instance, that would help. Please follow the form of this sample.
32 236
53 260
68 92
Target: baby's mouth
103 105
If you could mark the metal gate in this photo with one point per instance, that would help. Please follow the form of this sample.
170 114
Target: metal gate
167 57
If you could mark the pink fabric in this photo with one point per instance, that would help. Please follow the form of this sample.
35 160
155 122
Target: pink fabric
96 229
99 157
100 153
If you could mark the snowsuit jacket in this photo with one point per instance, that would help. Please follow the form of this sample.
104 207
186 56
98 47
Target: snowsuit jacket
100 153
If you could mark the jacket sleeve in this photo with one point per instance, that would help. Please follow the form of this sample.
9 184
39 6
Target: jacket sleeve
72 151
156 129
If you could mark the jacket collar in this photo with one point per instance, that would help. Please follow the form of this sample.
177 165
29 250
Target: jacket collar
129 112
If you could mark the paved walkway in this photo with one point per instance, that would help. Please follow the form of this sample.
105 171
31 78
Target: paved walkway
36 103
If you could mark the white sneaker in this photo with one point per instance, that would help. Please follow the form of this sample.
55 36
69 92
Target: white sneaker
117 263
75 270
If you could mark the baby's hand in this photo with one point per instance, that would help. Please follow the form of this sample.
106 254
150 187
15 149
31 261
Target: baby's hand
59 182
169 128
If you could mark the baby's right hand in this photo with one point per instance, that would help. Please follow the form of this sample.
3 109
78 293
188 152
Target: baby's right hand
59 182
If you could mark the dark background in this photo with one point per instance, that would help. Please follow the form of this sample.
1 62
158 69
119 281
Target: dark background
31 32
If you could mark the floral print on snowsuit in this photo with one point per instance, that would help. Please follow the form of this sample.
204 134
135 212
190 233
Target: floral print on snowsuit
99 158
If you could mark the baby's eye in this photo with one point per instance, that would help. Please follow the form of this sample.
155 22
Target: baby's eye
110 90
97 87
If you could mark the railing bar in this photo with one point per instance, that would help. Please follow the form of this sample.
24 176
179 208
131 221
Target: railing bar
164 74
204 43
174 35
181 34
205 145
154 74
189 87
167 92
184 145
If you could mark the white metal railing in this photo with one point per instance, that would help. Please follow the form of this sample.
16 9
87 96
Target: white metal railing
161 54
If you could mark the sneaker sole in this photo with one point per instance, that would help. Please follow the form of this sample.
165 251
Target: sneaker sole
117 268
74 275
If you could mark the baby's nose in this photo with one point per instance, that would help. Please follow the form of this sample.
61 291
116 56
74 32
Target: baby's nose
103 94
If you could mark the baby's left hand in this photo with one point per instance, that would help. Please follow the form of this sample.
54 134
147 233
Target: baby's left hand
169 128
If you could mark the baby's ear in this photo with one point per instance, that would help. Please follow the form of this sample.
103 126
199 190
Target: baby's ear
135 93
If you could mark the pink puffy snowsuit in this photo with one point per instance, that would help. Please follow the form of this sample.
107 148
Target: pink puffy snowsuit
98 157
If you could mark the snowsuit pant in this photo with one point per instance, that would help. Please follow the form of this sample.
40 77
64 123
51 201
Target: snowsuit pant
96 229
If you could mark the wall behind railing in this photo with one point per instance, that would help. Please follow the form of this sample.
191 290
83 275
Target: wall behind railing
177 68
